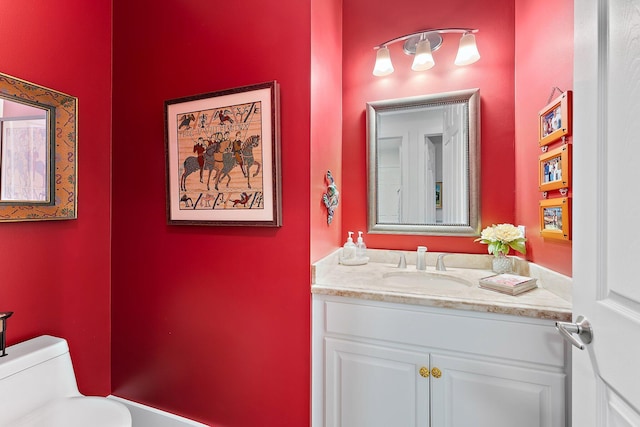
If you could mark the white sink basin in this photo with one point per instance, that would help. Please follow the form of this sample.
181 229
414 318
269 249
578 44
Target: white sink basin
425 280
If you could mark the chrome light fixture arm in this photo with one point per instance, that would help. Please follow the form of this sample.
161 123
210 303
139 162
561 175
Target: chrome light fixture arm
424 33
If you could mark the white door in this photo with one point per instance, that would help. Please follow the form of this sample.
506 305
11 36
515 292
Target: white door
455 168
606 211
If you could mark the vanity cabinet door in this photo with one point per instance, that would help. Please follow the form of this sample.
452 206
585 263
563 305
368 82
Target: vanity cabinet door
375 386
491 394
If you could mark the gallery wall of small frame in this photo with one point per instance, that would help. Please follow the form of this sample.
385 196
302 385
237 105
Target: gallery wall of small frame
554 166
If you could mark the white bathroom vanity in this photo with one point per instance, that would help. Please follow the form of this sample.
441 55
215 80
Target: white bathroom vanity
400 347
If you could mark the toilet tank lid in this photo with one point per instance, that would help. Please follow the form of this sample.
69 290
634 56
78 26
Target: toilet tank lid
30 353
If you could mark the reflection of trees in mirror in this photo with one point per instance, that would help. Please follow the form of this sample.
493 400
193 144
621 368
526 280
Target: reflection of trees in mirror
24 152
38 139
417 146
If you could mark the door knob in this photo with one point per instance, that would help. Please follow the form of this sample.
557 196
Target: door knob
582 328
424 372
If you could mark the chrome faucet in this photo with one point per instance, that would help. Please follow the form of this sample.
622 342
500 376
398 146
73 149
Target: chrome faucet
440 262
403 261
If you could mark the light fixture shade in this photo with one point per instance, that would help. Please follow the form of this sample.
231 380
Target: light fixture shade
383 66
468 51
423 59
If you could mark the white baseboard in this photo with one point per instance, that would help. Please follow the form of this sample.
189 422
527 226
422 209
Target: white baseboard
146 416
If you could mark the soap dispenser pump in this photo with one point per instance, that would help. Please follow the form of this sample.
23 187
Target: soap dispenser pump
349 249
361 248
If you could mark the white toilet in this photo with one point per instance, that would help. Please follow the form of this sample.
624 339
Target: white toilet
38 388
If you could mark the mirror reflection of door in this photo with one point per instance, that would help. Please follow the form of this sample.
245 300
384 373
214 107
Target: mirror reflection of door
417 148
24 153
455 164
389 179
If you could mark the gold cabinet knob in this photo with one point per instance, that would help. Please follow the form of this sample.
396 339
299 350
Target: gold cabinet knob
424 372
437 373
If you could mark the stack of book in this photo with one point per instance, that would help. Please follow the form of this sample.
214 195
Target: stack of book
511 284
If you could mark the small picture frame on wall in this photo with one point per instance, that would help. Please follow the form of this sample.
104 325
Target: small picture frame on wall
223 158
555 218
554 120
439 194
555 169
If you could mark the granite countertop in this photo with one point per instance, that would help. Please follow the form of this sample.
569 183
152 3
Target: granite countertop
377 281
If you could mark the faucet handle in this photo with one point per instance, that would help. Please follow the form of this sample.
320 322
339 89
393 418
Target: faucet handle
440 263
403 261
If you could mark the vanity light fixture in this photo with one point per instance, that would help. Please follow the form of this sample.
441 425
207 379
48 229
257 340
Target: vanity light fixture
421 44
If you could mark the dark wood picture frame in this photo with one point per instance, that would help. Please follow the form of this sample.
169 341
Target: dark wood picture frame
223 157
439 194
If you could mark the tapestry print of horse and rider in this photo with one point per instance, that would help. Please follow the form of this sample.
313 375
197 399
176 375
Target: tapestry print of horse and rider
220 158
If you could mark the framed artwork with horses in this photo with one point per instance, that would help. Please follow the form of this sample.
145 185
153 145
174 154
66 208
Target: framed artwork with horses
223 157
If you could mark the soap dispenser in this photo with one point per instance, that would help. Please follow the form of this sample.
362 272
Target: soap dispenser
361 248
349 249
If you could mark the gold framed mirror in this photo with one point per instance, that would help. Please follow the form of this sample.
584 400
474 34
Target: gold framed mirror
38 143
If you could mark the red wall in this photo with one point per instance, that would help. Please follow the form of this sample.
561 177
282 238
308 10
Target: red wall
544 59
326 121
525 52
210 322
56 274
366 26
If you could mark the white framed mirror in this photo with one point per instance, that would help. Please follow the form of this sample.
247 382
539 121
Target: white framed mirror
423 164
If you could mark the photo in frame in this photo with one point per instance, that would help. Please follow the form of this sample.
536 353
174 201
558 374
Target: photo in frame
223 157
555 218
439 194
555 169
554 120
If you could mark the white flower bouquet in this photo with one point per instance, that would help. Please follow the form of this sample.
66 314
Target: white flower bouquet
502 237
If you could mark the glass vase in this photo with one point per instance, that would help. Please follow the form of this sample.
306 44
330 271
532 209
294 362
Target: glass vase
501 264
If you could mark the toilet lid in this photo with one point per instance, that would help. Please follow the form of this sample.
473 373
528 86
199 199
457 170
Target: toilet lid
78 411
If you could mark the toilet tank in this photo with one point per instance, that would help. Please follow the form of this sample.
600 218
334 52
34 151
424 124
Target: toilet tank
32 373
